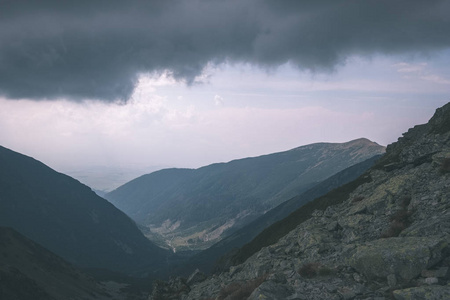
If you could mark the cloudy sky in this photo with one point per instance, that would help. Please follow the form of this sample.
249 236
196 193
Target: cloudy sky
187 83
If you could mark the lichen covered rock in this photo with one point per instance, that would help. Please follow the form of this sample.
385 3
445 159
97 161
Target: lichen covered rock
404 257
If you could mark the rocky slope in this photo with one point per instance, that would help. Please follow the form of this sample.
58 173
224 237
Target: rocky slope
69 219
193 209
389 238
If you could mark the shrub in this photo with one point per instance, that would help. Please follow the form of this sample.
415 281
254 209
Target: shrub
357 199
312 269
241 290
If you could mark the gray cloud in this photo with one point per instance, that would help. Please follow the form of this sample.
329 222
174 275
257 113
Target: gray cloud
97 49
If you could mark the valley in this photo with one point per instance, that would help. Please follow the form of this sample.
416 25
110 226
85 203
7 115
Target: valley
191 209
224 150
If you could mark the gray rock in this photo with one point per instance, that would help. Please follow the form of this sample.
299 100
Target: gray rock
196 277
332 226
423 293
431 280
271 290
405 257
441 272
346 293
392 280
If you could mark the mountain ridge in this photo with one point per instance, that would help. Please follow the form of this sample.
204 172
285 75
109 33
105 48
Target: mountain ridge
196 207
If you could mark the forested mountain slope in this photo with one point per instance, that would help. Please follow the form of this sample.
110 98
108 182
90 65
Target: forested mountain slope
192 209
69 219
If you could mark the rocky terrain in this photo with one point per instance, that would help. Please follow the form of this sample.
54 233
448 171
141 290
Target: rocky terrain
388 239
225 249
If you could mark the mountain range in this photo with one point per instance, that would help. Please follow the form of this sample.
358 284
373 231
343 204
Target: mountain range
191 209
385 235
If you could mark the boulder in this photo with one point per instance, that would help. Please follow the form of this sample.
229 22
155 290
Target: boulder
405 257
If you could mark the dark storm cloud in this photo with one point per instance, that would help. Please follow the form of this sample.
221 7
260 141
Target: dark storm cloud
97 49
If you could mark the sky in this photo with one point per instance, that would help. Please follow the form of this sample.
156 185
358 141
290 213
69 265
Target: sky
151 84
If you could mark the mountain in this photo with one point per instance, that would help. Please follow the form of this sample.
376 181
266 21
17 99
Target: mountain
206 259
29 271
69 219
194 208
385 235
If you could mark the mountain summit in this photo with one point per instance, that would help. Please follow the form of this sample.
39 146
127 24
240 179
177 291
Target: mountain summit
192 209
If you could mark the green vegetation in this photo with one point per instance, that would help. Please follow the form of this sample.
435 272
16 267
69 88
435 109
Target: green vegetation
279 229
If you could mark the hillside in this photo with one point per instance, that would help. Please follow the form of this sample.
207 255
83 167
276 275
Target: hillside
193 209
69 219
385 235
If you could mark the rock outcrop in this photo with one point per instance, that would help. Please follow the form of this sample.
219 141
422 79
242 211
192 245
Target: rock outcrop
390 239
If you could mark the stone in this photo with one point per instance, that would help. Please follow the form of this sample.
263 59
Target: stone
434 292
271 290
196 277
346 293
431 280
392 280
405 257
357 277
332 226
440 273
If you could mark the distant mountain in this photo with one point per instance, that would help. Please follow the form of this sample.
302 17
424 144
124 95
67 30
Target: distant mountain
29 271
69 219
194 208
206 259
